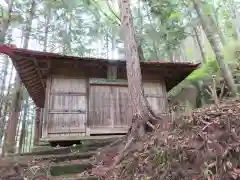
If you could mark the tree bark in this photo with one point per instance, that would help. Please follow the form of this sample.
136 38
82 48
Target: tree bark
5 73
135 88
215 20
203 57
217 48
5 22
5 113
46 29
13 120
23 129
16 106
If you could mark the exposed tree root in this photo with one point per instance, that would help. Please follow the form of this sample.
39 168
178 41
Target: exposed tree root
122 152
150 125
141 125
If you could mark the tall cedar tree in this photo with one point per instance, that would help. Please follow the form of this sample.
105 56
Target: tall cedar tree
140 112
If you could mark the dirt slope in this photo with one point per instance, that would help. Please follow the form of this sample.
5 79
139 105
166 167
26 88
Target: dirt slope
204 145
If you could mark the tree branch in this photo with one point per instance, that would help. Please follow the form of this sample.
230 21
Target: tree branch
109 7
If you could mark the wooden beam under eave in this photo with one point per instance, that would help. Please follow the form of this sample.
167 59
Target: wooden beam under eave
29 76
32 83
36 90
25 67
38 71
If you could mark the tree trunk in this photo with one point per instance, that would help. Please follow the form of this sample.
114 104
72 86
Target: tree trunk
23 130
203 57
217 29
13 120
137 103
5 76
5 111
139 110
217 48
214 18
153 28
5 22
235 19
46 29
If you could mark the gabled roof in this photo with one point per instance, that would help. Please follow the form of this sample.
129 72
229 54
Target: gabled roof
33 68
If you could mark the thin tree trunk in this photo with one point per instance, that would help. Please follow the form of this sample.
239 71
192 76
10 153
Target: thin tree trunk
5 22
235 20
6 64
23 130
5 111
153 28
13 120
69 37
217 48
203 57
217 29
31 135
46 30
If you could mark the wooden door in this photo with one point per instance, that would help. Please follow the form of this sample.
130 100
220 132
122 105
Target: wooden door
67 106
108 106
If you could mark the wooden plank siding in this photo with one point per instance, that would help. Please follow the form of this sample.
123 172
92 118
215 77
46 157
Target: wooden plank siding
67 110
109 105
156 95
85 107
107 109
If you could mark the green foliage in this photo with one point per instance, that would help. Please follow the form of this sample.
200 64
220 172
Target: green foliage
15 17
205 72
231 55
232 52
170 19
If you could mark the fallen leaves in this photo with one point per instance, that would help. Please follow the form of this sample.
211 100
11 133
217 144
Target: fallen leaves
203 145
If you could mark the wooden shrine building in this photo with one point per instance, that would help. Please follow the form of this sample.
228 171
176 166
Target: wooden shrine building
84 97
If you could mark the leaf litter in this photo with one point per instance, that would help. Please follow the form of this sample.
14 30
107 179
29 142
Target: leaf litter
202 146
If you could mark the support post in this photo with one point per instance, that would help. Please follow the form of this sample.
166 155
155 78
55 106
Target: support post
37 125
41 122
112 72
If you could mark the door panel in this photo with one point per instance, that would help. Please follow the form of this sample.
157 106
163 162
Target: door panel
68 106
107 106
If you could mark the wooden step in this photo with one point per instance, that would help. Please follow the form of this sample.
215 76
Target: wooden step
64 157
61 150
65 169
75 177
46 152
80 138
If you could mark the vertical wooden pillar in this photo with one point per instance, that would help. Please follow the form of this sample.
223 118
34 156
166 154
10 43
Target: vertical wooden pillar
37 125
41 122
112 72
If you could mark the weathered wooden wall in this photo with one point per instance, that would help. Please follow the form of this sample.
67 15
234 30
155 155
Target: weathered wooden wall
107 109
66 106
156 94
77 107
108 105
